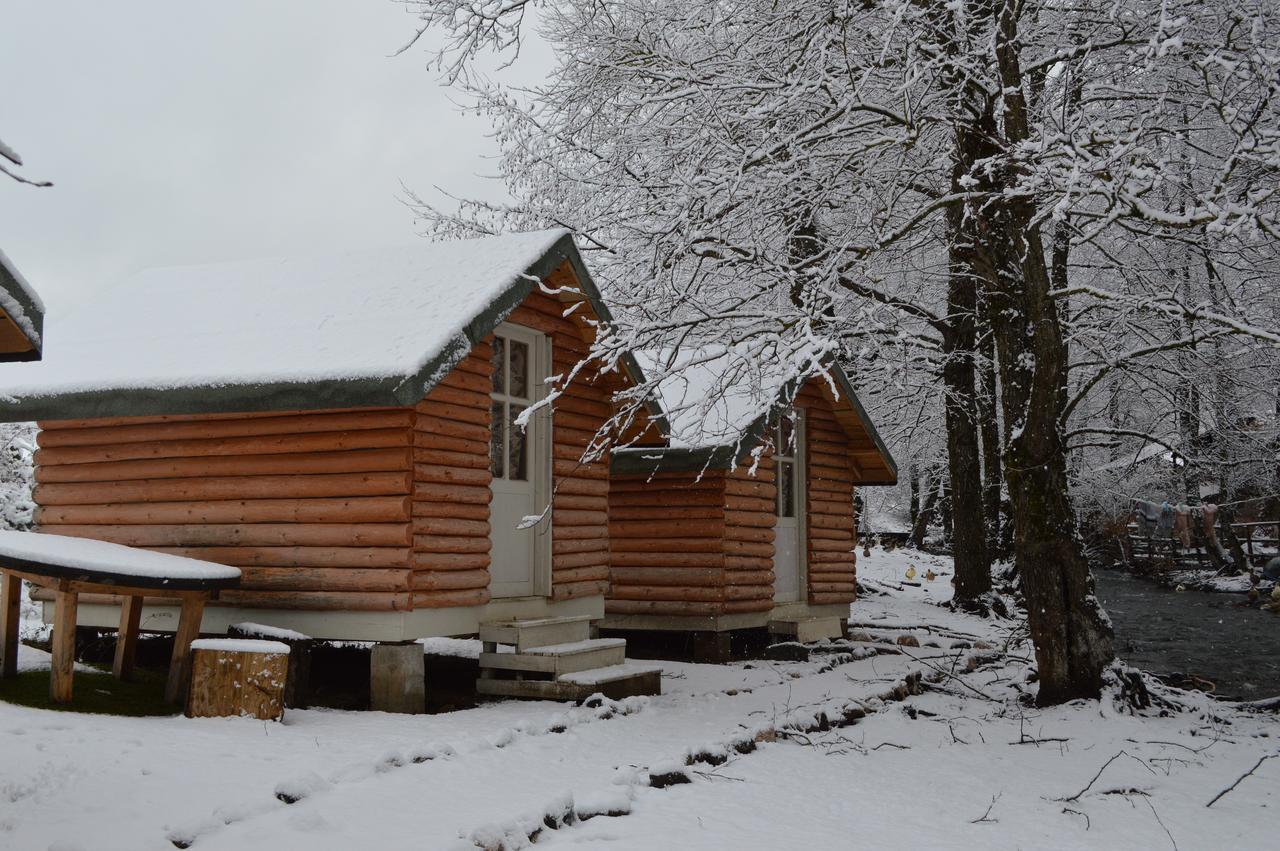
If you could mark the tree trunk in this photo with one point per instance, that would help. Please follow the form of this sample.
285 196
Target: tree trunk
989 429
1071 635
959 341
920 526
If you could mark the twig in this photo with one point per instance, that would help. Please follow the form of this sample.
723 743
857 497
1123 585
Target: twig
1087 823
891 745
1161 822
983 818
1241 778
1077 795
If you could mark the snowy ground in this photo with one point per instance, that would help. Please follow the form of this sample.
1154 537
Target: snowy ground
963 765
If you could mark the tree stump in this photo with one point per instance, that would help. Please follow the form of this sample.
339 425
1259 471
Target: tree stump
232 677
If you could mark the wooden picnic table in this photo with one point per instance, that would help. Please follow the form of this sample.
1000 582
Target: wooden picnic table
70 566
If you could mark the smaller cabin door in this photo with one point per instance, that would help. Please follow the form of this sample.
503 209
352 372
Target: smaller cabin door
788 529
517 458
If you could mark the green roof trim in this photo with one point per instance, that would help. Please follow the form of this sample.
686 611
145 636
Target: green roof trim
16 293
377 391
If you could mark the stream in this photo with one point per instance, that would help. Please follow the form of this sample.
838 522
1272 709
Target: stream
1201 633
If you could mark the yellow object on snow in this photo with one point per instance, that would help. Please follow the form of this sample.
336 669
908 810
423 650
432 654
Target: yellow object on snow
930 575
911 573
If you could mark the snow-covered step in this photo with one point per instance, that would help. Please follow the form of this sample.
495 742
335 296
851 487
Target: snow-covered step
806 630
558 659
613 681
542 632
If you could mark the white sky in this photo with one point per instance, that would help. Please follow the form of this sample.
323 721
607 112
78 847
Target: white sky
179 132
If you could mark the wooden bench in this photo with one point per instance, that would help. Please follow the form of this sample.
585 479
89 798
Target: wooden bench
71 566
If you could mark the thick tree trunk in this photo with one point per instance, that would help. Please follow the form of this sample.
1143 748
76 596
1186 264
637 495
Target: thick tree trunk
959 341
1071 635
920 526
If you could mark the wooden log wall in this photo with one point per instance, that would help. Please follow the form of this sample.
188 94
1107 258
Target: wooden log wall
314 507
451 487
750 514
830 521
580 548
667 532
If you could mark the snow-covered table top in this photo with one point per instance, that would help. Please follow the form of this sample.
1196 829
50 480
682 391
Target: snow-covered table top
99 562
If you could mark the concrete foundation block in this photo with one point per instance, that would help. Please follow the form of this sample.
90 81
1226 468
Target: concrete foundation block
397 679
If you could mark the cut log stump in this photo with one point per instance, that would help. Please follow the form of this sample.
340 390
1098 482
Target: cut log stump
232 677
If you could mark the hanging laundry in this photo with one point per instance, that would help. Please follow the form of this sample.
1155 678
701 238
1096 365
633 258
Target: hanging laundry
1209 513
1182 524
1164 527
1146 514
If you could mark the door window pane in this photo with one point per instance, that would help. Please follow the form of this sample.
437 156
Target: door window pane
519 369
499 365
786 436
786 489
517 464
497 448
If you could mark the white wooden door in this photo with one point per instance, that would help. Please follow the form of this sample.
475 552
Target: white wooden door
516 460
788 528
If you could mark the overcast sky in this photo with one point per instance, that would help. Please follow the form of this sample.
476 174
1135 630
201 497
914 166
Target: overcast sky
180 132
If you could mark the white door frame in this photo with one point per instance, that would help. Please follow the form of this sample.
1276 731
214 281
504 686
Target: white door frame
538 440
799 458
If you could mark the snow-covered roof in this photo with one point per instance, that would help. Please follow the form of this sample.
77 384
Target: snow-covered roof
21 315
359 328
717 401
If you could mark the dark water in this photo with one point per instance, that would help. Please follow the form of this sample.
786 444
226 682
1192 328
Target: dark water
1194 632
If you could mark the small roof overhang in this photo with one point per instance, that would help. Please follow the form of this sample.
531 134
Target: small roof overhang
21 316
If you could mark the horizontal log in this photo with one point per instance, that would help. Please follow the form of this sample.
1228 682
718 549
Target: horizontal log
451 475
225 488
748 592
305 463
832 588
373 509
748 533
450 561
571 485
237 534
737 607
205 429
324 579
450 544
295 556
692 577
477 415
451 510
575 470
759 504
673 545
845 534
585 573
583 533
451 526
572 517
443 394
583 502
689 594
827 599
674 482
450 460
739 562
663 498
676 527
822 545
467 494
464 381
819 557
99 422
450 599
265 445
449 580
589 545
426 441
758 519
747 548
628 513
761 490
432 425
615 606
666 559
568 561
334 601
577 590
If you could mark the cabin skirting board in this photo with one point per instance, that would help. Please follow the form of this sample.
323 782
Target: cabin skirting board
347 625
724 623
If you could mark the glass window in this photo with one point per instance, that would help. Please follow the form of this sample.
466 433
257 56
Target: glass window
517 450
786 489
519 370
499 365
497 447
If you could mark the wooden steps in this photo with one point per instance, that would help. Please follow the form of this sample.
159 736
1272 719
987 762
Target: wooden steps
557 659
806 630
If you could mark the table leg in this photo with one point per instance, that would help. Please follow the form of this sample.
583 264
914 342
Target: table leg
64 646
10 615
127 637
175 690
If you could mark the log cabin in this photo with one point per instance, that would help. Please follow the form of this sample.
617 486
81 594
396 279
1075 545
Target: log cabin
21 316
743 517
342 429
